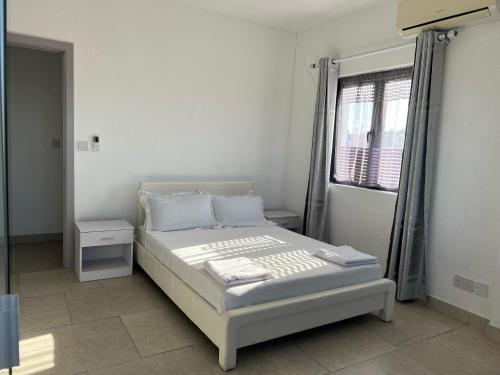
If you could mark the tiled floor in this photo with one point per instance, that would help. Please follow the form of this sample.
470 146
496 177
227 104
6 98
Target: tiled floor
33 257
128 326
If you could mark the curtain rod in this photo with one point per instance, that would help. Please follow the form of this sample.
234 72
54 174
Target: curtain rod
444 36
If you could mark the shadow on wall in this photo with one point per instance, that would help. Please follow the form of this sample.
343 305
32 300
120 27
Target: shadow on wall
361 218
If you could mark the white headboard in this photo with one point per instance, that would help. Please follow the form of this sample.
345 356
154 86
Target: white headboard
213 187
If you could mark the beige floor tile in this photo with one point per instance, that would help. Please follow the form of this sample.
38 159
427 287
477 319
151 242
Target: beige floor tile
51 282
75 348
91 304
119 281
343 344
427 312
472 344
377 367
161 330
157 294
42 312
439 360
177 362
493 333
276 357
449 310
422 358
478 321
35 257
411 321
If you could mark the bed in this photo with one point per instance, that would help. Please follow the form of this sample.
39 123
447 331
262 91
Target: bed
306 292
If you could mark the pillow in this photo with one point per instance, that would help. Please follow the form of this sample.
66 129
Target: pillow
181 212
185 210
146 196
239 210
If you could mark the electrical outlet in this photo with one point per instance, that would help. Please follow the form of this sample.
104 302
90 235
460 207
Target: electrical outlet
464 283
481 289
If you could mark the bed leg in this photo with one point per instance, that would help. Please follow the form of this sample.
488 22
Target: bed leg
229 347
387 313
227 358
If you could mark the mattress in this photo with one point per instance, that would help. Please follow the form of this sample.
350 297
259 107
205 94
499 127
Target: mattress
287 254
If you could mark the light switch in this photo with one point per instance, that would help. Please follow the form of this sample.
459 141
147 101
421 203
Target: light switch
82 146
95 143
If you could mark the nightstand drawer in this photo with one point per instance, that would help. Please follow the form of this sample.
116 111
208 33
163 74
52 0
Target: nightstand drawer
106 238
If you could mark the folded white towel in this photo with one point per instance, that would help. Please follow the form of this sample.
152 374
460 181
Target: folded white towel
236 271
346 256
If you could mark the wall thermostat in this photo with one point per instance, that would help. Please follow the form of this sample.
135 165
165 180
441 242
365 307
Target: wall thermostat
95 143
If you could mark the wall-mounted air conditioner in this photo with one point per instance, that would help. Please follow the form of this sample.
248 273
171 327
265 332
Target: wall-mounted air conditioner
414 16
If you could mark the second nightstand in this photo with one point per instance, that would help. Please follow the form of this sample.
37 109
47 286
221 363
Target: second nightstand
284 219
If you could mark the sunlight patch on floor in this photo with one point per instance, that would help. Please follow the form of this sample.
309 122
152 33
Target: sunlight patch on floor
37 355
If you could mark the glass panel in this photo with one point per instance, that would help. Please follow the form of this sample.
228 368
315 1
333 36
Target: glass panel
394 116
4 249
354 121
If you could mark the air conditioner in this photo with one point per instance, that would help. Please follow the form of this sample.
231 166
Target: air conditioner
414 16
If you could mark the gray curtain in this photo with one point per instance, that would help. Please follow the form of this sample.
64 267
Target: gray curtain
315 214
410 232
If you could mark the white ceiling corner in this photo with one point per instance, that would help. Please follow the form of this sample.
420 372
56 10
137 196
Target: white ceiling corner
291 15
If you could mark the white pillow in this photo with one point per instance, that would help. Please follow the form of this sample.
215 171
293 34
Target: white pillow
239 210
177 211
182 212
144 199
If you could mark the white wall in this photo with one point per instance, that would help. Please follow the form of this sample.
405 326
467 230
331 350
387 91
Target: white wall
495 295
361 218
465 236
34 90
172 92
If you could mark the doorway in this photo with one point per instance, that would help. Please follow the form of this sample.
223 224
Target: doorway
35 159
40 153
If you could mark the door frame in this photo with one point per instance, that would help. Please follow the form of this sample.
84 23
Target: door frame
32 42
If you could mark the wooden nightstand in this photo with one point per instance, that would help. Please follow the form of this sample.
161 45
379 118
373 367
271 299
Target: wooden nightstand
284 219
103 249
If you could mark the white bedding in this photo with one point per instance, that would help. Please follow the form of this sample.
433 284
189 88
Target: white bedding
287 254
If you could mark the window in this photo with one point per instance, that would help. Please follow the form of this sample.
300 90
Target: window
370 128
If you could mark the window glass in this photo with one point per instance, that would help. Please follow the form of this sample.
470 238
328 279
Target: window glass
370 128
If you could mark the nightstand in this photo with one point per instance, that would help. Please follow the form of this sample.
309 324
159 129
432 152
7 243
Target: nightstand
284 219
103 249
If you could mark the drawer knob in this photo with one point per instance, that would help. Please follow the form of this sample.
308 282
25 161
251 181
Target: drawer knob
107 238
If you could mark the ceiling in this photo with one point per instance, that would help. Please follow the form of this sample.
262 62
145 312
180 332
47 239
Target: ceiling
292 15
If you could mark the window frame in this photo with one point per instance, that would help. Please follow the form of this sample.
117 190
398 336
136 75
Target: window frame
377 132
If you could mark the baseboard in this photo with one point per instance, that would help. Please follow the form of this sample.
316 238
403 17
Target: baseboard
35 238
456 312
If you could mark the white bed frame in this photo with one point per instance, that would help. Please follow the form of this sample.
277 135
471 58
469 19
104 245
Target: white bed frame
254 324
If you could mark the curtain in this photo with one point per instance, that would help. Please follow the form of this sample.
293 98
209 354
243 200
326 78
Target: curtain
410 232
315 213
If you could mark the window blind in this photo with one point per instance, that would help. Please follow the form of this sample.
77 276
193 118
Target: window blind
370 127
